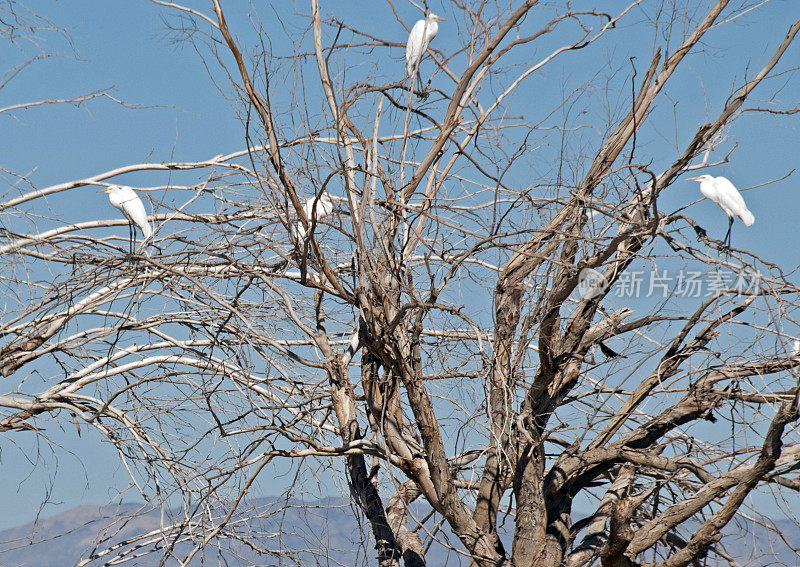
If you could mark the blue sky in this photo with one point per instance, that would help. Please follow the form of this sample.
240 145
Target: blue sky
126 46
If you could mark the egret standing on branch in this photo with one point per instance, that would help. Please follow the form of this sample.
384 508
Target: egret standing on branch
316 208
418 40
725 194
126 200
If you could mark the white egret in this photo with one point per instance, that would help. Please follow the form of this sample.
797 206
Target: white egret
316 208
725 194
126 200
418 40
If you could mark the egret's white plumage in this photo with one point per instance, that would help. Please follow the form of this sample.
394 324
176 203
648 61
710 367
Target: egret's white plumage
126 200
316 208
418 40
724 193
727 196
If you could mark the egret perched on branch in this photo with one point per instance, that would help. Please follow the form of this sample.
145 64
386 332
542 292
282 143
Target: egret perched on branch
316 208
724 194
126 200
418 40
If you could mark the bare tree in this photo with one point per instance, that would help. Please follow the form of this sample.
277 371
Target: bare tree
454 340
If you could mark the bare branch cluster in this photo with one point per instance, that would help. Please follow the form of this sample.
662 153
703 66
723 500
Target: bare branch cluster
431 342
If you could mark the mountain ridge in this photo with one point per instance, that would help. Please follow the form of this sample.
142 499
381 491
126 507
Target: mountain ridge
327 524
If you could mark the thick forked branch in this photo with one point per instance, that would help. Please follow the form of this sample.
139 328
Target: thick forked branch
409 542
509 294
600 167
445 498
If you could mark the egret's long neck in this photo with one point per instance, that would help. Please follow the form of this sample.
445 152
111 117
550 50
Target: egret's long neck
431 27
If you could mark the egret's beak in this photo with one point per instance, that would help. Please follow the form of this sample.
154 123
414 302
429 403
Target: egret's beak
104 190
439 18
694 179
337 199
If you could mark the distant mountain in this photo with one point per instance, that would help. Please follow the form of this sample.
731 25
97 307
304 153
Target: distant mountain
64 538
324 532
753 545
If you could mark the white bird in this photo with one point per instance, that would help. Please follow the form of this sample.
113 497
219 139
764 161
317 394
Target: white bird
418 40
316 208
126 200
725 194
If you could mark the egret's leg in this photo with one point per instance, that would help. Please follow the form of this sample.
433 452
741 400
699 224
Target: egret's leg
728 234
412 80
143 244
132 237
423 89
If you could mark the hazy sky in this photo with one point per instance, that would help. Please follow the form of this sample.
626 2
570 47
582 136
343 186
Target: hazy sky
126 45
